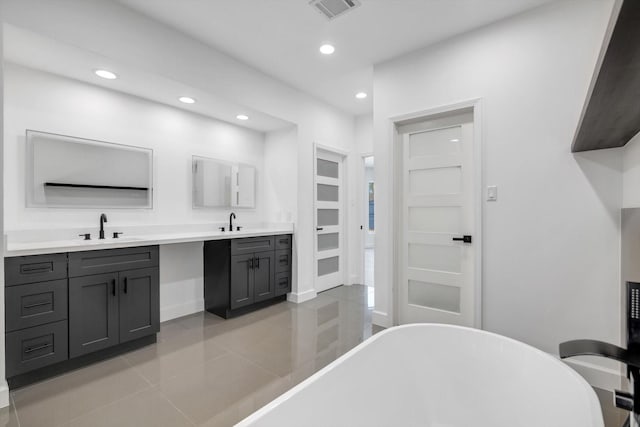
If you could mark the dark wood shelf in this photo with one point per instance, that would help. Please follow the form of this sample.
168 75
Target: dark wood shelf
109 187
612 116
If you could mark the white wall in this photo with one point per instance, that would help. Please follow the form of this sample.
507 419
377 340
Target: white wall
631 177
4 389
364 134
42 101
551 249
281 175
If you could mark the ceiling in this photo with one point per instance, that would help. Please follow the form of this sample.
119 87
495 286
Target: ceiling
282 37
32 50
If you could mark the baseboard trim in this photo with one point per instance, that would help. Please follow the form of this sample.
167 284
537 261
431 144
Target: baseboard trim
381 318
302 296
4 394
179 310
597 376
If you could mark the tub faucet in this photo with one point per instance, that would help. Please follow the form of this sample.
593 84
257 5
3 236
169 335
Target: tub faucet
103 219
231 218
629 356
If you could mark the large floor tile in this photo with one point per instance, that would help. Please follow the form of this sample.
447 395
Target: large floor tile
9 416
146 408
57 401
205 391
164 360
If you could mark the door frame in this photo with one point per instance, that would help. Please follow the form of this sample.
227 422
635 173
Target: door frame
398 196
343 226
362 215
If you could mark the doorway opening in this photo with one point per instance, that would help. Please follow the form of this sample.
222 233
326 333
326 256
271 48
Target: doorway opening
369 226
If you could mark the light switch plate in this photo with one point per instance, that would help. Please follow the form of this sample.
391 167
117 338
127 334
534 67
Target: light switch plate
492 193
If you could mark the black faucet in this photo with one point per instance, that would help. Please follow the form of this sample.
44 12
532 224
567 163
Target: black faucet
629 356
231 218
103 219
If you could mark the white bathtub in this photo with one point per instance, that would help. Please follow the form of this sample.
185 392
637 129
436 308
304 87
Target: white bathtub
437 376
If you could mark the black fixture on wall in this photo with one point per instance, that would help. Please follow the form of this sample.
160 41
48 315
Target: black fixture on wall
629 356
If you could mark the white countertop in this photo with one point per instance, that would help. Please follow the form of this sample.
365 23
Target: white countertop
76 245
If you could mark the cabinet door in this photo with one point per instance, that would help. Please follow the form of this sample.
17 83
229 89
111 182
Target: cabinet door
264 276
93 313
241 280
139 303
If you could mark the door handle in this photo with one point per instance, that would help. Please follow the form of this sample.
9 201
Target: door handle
113 287
125 285
465 239
319 228
250 261
257 262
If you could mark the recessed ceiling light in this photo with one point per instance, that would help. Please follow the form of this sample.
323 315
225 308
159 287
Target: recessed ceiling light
187 100
106 74
242 117
455 140
327 49
361 95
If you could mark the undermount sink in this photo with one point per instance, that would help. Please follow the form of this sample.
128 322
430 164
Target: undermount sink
121 239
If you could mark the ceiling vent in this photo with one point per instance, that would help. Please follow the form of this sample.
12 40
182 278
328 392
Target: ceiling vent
334 8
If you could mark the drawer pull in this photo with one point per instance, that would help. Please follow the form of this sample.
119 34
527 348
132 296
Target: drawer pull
36 268
284 260
37 304
284 282
36 348
284 241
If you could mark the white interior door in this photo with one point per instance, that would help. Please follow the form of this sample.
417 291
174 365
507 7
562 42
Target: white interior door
329 214
438 208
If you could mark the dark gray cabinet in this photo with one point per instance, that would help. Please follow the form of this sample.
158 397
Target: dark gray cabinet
59 307
93 313
139 303
243 274
252 278
114 307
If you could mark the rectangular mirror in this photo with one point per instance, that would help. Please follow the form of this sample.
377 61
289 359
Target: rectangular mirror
67 171
221 184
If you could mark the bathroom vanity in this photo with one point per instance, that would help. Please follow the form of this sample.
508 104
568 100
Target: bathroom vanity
71 303
241 275
61 307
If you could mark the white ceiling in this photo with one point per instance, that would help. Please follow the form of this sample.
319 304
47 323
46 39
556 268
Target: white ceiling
281 37
35 51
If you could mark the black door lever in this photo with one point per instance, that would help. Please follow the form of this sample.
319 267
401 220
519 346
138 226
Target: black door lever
465 239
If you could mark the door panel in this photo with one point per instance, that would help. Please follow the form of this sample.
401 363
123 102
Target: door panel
264 276
437 272
328 220
139 303
242 280
93 313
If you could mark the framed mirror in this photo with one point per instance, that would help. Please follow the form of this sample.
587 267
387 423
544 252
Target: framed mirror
67 171
221 184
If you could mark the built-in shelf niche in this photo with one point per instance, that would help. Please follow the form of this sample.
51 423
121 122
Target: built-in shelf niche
67 171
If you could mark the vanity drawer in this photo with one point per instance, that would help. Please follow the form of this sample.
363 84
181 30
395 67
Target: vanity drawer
283 261
250 245
36 347
283 283
283 241
34 268
35 304
111 260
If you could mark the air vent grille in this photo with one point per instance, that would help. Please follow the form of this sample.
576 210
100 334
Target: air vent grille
334 8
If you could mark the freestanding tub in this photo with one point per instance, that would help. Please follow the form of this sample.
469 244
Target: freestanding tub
437 376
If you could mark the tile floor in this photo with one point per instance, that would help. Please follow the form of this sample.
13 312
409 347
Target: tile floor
204 370
207 371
